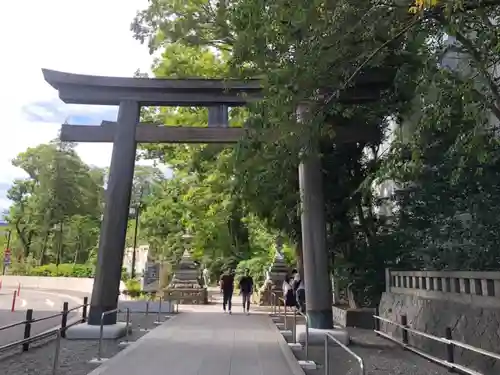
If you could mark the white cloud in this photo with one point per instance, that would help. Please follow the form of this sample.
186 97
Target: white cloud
87 37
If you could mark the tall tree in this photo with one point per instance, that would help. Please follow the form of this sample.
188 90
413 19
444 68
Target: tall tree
60 191
307 52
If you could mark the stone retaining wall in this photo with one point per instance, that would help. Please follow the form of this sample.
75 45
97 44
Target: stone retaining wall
478 326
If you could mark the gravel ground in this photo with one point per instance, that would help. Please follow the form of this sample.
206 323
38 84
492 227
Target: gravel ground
13 334
381 357
74 356
36 301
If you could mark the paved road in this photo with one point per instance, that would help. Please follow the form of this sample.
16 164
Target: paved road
43 302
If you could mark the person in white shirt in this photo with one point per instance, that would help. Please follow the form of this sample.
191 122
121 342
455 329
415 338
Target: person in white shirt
206 276
296 279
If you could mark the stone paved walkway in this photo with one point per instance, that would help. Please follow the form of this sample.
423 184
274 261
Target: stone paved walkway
202 340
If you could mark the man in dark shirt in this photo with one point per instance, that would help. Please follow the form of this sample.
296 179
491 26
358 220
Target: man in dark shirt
246 289
227 287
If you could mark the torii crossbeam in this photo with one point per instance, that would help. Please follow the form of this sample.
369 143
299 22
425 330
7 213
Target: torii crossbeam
152 133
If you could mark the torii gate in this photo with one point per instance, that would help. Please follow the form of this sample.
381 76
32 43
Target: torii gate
130 94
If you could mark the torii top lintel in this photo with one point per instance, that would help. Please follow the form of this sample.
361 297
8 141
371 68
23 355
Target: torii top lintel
102 90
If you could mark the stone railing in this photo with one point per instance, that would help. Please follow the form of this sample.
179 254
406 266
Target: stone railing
478 288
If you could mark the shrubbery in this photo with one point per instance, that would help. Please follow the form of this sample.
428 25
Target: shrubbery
256 268
63 270
134 290
133 285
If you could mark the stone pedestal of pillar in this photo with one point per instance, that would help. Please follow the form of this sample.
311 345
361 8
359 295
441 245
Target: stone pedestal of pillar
93 332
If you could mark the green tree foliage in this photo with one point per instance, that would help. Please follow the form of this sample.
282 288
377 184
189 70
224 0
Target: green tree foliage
301 51
447 172
444 164
56 209
204 197
56 213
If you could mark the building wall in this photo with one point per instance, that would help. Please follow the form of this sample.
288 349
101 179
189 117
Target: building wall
141 259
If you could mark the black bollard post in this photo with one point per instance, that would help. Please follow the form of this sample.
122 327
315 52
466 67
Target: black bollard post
27 329
376 321
64 319
84 311
450 348
404 323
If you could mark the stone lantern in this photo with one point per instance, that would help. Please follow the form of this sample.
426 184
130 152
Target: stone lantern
185 281
275 275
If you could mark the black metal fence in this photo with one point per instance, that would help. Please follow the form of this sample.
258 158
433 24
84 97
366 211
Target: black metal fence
29 321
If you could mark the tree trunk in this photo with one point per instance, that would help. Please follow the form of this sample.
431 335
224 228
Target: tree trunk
77 249
351 297
44 248
363 222
26 242
60 247
335 289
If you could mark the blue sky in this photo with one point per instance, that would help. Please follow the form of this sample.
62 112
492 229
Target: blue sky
87 37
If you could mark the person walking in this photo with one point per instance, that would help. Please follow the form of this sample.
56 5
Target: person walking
206 276
300 293
227 288
288 293
246 289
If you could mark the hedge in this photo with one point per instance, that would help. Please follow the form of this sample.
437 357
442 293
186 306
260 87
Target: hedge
64 270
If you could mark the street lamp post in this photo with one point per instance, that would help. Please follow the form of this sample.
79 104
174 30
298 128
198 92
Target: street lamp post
137 211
